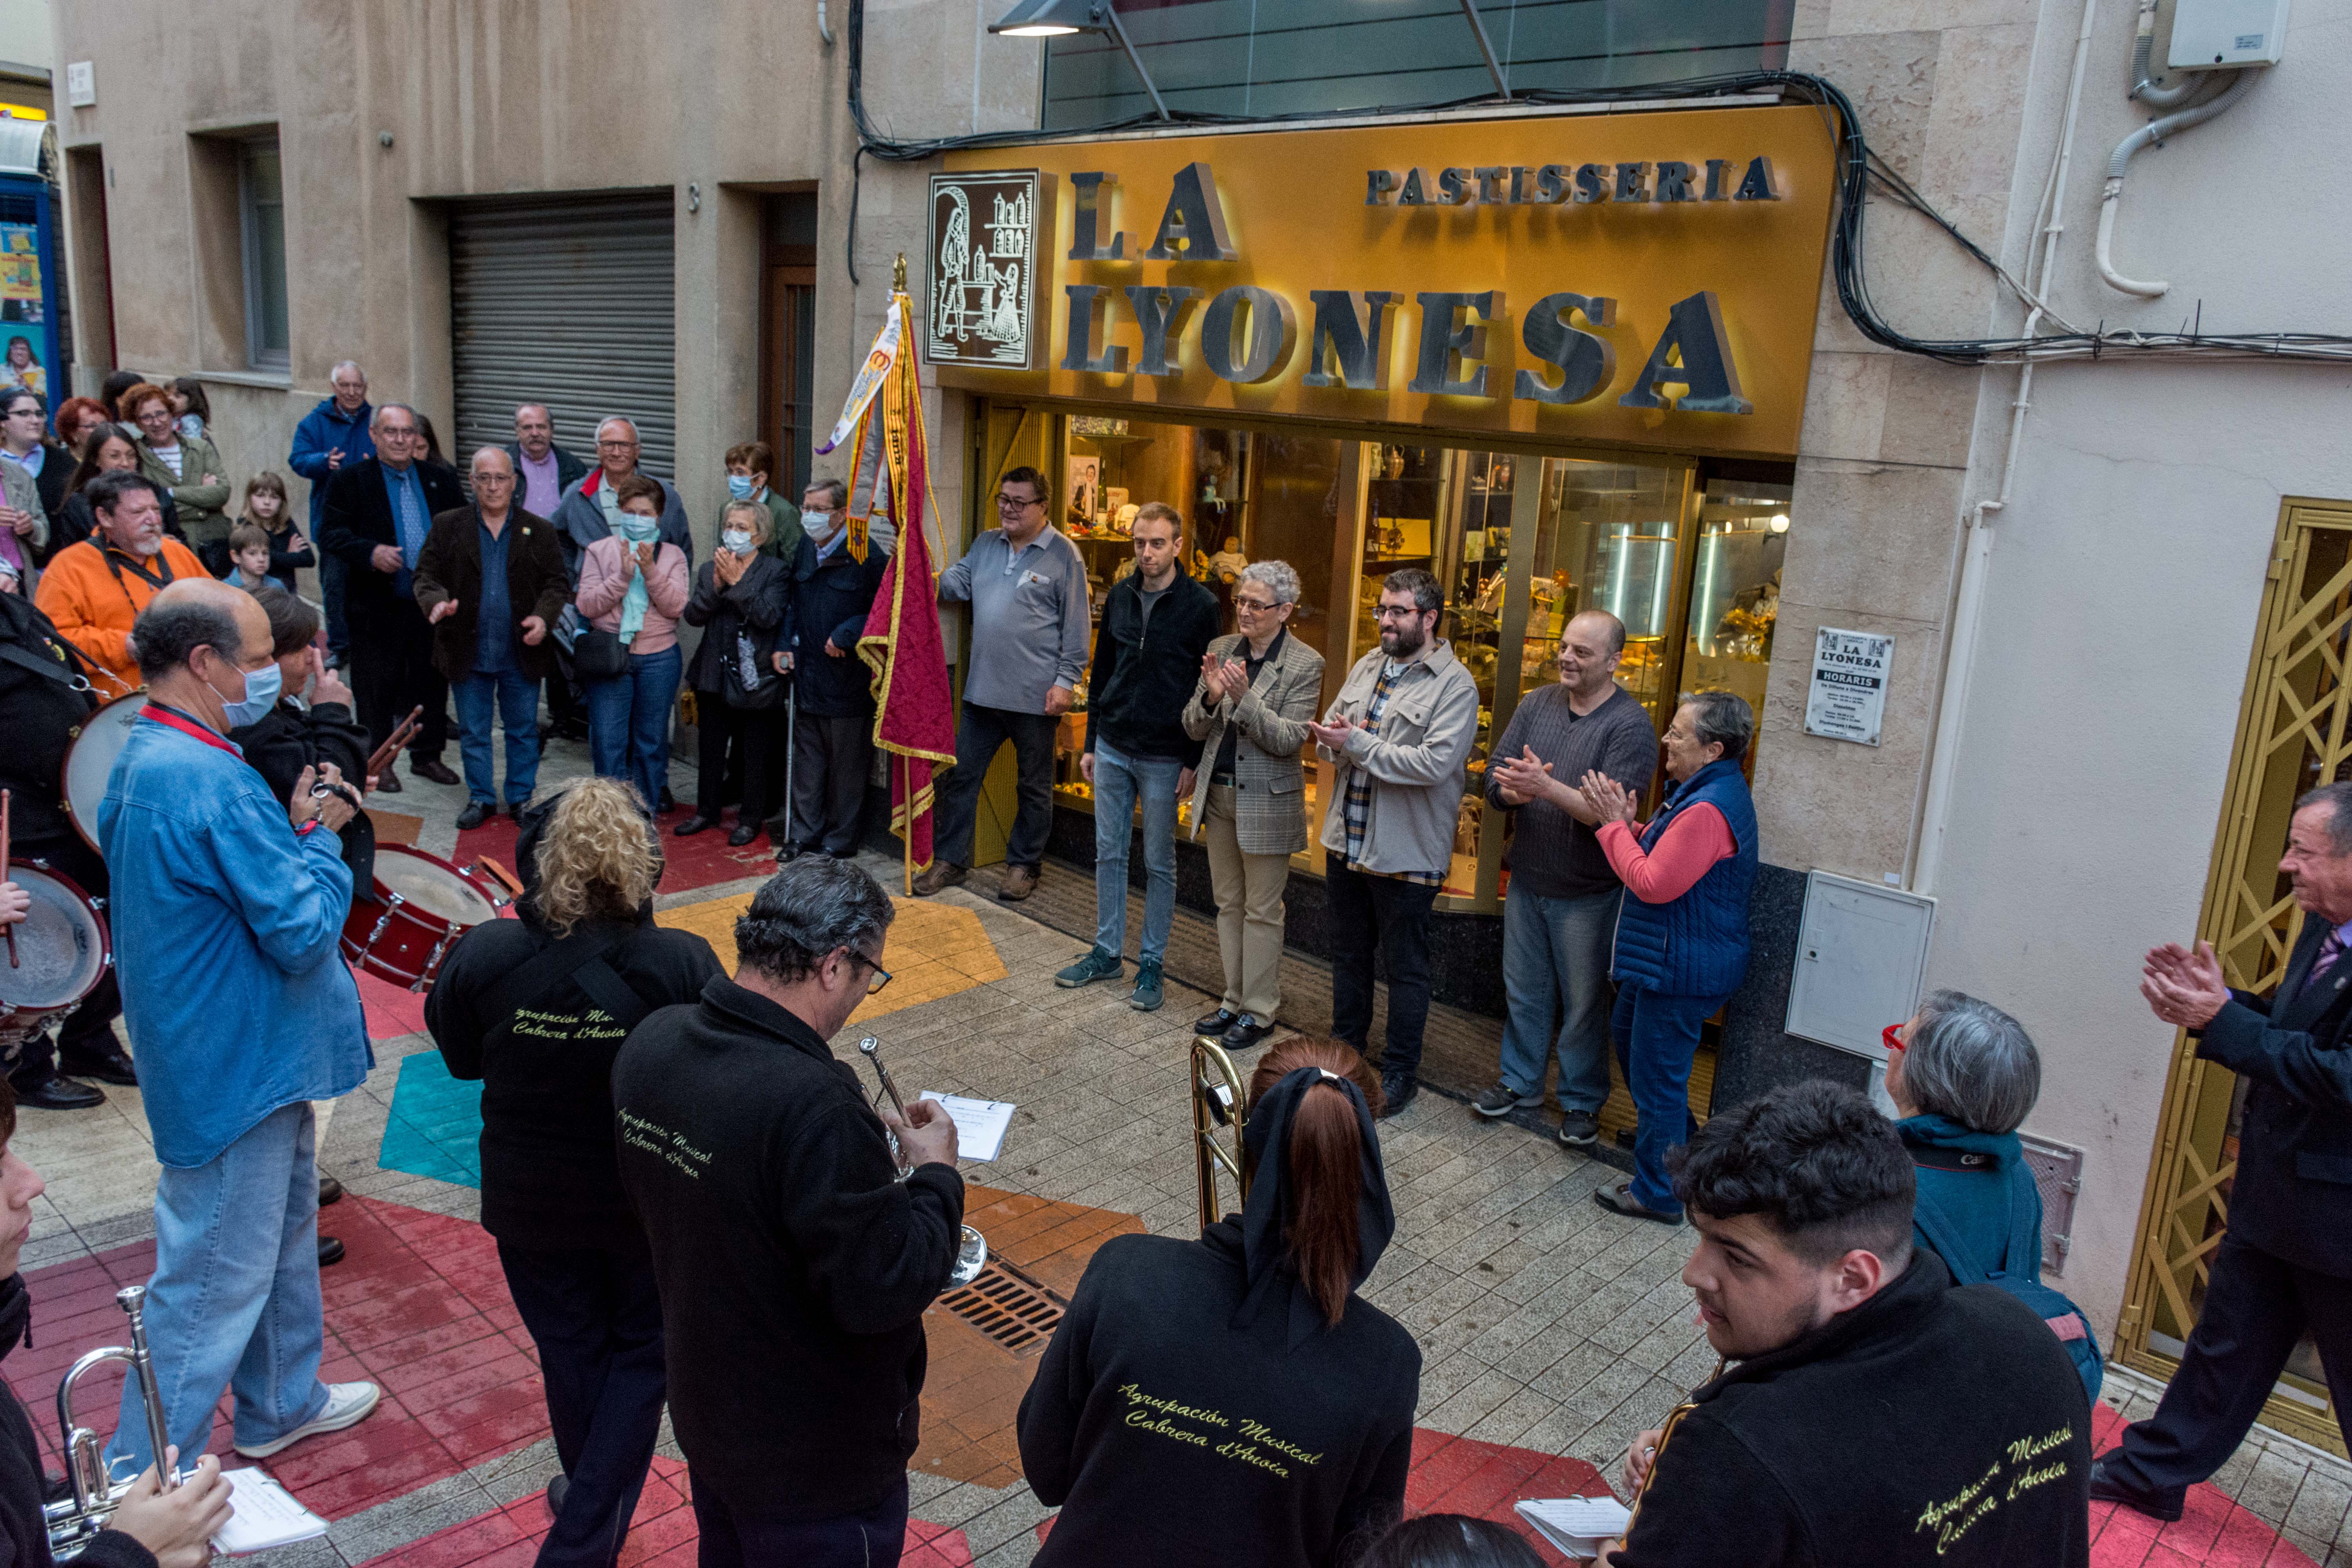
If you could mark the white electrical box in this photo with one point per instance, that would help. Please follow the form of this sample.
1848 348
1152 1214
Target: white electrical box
2210 34
81 84
1862 957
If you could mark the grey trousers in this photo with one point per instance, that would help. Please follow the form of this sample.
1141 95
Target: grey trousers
831 759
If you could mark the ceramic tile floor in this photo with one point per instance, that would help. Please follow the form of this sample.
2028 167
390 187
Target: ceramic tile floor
1551 1331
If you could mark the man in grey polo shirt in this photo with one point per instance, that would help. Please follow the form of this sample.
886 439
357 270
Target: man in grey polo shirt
1027 589
1562 913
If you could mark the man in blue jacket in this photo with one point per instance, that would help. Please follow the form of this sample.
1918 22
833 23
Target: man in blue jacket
331 437
832 732
226 909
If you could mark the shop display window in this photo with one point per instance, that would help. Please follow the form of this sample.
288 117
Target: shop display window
1519 543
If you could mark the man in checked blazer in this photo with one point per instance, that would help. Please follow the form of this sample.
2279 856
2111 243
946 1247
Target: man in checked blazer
2284 1265
1257 690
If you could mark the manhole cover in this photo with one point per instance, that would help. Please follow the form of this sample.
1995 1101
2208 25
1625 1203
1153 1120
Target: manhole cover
1016 1311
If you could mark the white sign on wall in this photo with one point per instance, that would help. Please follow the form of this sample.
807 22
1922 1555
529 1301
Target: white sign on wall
1847 697
81 84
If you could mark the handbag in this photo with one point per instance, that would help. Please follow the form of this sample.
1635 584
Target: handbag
752 682
599 656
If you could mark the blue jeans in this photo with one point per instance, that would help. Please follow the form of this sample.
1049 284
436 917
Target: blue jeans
516 699
628 722
1657 1036
1120 779
235 1299
1556 951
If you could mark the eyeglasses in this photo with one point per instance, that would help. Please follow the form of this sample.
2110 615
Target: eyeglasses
1014 503
874 982
616 446
1891 1037
1258 604
1399 612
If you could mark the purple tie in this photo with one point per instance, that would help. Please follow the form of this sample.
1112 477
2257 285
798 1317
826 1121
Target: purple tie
2329 951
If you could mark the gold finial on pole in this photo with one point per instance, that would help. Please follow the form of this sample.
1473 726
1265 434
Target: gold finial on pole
898 275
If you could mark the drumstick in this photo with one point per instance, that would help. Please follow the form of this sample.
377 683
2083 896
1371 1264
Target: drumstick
399 738
13 962
500 875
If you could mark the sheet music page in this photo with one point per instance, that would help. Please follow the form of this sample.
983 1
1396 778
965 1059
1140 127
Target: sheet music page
267 1515
980 1124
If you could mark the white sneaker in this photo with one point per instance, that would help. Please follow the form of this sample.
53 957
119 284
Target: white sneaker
348 1405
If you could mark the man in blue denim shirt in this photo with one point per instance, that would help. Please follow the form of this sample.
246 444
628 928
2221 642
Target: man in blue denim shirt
226 907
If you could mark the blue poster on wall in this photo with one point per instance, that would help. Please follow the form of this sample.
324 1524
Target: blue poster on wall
28 315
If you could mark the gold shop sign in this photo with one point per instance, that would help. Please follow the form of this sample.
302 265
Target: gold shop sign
1645 279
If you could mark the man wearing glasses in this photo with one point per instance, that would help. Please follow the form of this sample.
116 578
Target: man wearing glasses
1027 589
793 1265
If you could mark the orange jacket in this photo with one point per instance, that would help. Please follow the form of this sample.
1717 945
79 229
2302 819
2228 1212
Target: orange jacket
93 600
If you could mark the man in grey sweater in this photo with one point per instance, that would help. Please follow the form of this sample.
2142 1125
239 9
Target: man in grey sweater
1562 913
1030 628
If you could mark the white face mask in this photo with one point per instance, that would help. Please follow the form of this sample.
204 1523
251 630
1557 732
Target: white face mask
818 525
737 540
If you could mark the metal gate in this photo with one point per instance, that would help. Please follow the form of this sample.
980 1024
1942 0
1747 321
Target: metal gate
2292 735
568 301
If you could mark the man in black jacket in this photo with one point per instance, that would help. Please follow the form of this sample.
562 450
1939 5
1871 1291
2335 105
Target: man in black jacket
1156 626
1873 1413
45 696
832 728
793 1267
2284 1265
378 512
171 1529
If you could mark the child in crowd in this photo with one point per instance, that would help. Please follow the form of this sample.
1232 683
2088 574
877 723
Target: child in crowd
248 557
265 508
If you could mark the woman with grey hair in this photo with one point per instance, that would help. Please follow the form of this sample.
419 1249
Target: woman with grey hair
1257 690
1964 1075
1682 931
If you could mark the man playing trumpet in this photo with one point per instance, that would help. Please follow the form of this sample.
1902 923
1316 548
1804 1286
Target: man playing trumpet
793 1265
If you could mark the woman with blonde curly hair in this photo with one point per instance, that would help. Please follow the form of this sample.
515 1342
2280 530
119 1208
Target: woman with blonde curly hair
537 1008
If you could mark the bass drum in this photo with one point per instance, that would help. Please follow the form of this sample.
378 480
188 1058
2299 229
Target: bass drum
422 904
90 761
62 953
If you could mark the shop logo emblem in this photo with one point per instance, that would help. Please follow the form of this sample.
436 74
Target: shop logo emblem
984 301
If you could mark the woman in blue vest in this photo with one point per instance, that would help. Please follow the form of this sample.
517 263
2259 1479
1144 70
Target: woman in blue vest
1964 1075
1682 932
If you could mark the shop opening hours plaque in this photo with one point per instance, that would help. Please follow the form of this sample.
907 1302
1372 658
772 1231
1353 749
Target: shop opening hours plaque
1846 699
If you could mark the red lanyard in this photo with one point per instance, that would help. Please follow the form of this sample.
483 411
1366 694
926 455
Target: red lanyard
189 726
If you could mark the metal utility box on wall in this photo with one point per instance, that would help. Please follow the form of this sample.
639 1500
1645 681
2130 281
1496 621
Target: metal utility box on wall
1862 954
2210 34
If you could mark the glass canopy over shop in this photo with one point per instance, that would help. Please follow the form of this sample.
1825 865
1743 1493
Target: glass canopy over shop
1689 559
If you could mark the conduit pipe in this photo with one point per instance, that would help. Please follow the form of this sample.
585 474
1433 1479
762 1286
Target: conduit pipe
2143 50
2149 134
1975 544
823 28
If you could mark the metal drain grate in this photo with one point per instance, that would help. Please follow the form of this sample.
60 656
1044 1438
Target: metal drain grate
1016 1311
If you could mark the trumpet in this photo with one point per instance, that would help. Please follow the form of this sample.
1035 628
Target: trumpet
72 1521
972 1256
1219 1098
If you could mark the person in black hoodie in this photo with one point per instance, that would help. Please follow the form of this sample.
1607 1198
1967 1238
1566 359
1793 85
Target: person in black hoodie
741 597
536 1008
794 1267
833 732
1232 1399
1157 623
45 696
1873 1413
171 1529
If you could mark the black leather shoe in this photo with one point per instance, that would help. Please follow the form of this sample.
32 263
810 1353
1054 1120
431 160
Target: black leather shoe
1215 1022
330 1251
668 801
557 1486
744 833
476 812
432 768
330 1191
1620 1199
1397 1089
2165 1505
693 825
1249 1030
107 1066
54 1093
386 782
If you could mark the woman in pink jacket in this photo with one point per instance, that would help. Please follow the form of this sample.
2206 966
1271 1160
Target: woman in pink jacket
632 585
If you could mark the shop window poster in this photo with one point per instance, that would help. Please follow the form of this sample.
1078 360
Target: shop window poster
22 322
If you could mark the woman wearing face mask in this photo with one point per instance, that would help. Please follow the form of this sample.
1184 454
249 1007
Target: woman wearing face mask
738 600
634 586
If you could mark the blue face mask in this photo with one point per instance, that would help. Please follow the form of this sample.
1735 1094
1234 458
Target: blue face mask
636 528
261 689
738 486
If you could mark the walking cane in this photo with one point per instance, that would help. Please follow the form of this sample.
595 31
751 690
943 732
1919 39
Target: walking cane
792 724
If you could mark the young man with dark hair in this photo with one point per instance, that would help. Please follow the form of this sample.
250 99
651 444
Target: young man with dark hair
1870 1412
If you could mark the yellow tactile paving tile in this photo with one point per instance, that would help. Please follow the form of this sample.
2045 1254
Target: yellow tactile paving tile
933 950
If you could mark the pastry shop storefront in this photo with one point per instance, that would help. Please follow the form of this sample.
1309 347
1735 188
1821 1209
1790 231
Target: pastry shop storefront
1558 362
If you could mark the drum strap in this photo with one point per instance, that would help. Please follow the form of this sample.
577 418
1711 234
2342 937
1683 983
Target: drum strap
47 669
583 956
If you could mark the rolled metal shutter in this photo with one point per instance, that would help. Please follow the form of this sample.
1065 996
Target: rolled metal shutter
568 301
